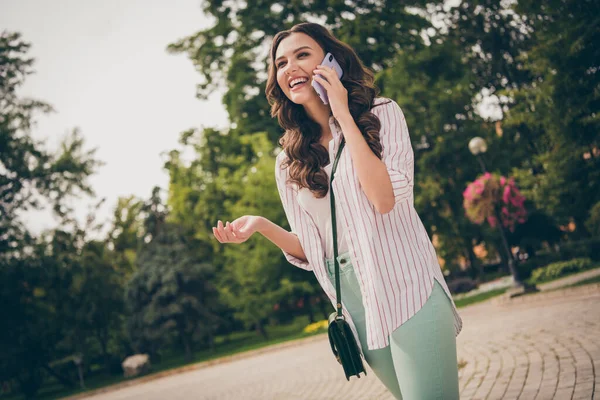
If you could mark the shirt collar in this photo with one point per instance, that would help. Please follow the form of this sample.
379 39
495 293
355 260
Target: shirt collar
335 128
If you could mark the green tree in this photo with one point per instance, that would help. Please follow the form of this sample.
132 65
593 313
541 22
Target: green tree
232 54
435 89
255 275
34 272
30 172
171 293
28 343
555 114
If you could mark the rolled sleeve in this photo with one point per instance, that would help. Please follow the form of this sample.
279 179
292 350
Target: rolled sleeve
397 152
292 212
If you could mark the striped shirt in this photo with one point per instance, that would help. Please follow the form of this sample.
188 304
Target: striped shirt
394 259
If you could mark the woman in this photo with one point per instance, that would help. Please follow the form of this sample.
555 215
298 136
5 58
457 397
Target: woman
393 292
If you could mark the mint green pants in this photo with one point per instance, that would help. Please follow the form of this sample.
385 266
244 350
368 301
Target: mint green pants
420 363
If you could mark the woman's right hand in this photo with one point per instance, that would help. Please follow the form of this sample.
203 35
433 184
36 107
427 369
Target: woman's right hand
237 231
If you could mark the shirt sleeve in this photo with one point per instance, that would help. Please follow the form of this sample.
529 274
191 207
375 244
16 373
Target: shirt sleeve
397 152
293 213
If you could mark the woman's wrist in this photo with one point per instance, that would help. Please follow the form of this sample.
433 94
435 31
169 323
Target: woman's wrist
345 120
262 224
286 241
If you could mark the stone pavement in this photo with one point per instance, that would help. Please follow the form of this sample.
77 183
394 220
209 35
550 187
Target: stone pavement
535 348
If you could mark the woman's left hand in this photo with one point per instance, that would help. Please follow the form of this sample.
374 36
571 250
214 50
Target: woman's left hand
336 92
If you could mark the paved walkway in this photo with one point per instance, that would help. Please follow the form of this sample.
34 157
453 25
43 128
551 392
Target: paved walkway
539 347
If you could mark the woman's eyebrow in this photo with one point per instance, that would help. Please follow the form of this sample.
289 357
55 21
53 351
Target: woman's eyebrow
295 51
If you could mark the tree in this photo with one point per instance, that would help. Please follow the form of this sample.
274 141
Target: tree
232 54
30 172
555 113
255 275
491 197
33 276
171 293
435 89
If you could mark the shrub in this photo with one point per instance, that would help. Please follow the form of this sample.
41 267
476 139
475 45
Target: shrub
593 222
491 195
558 269
567 251
316 326
462 285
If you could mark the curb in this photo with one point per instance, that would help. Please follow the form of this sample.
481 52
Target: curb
592 273
197 366
504 300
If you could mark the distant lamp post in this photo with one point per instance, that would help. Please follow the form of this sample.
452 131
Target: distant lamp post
478 146
78 360
423 144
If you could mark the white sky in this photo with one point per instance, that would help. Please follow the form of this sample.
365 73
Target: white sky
104 68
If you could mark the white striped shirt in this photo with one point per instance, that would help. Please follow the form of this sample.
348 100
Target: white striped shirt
394 259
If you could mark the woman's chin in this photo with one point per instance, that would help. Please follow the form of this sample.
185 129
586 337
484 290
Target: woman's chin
303 97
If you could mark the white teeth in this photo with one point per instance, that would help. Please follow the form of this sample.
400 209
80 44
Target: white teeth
298 80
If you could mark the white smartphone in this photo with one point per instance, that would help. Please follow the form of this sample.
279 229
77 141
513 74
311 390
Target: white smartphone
328 61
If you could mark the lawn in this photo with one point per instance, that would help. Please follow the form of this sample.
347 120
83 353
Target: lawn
595 279
465 301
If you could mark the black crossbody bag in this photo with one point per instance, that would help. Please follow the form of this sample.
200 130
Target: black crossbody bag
342 340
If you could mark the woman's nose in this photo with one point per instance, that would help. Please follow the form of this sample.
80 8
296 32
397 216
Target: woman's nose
291 68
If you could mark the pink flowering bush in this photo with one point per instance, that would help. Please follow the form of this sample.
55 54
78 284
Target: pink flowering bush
489 192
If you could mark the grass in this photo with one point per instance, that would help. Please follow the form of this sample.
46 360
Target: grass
595 279
466 301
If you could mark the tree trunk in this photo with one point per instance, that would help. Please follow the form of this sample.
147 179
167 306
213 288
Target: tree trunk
260 329
187 345
476 270
186 340
580 229
309 308
64 380
503 256
211 341
103 339
322 306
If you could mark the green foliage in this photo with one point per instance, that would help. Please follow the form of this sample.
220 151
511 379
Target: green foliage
63 297
47 312
558 269
593 222
477 298
255 277
435 89
233 54
170 294
555 114
565 251
30 172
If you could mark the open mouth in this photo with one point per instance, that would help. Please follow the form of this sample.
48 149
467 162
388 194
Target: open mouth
298 83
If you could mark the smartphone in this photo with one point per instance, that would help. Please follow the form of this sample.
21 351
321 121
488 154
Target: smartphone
328 61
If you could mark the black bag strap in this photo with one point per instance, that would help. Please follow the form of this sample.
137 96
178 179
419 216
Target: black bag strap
338 290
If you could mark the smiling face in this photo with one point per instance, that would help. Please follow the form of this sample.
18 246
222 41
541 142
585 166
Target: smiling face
296 57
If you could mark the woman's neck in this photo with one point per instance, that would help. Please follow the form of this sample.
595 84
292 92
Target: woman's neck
320 113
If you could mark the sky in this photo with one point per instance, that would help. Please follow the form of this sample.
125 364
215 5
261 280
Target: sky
104 67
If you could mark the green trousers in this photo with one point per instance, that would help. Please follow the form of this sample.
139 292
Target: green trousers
420 363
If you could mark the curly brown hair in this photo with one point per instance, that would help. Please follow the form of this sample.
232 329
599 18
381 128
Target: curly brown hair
305 154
